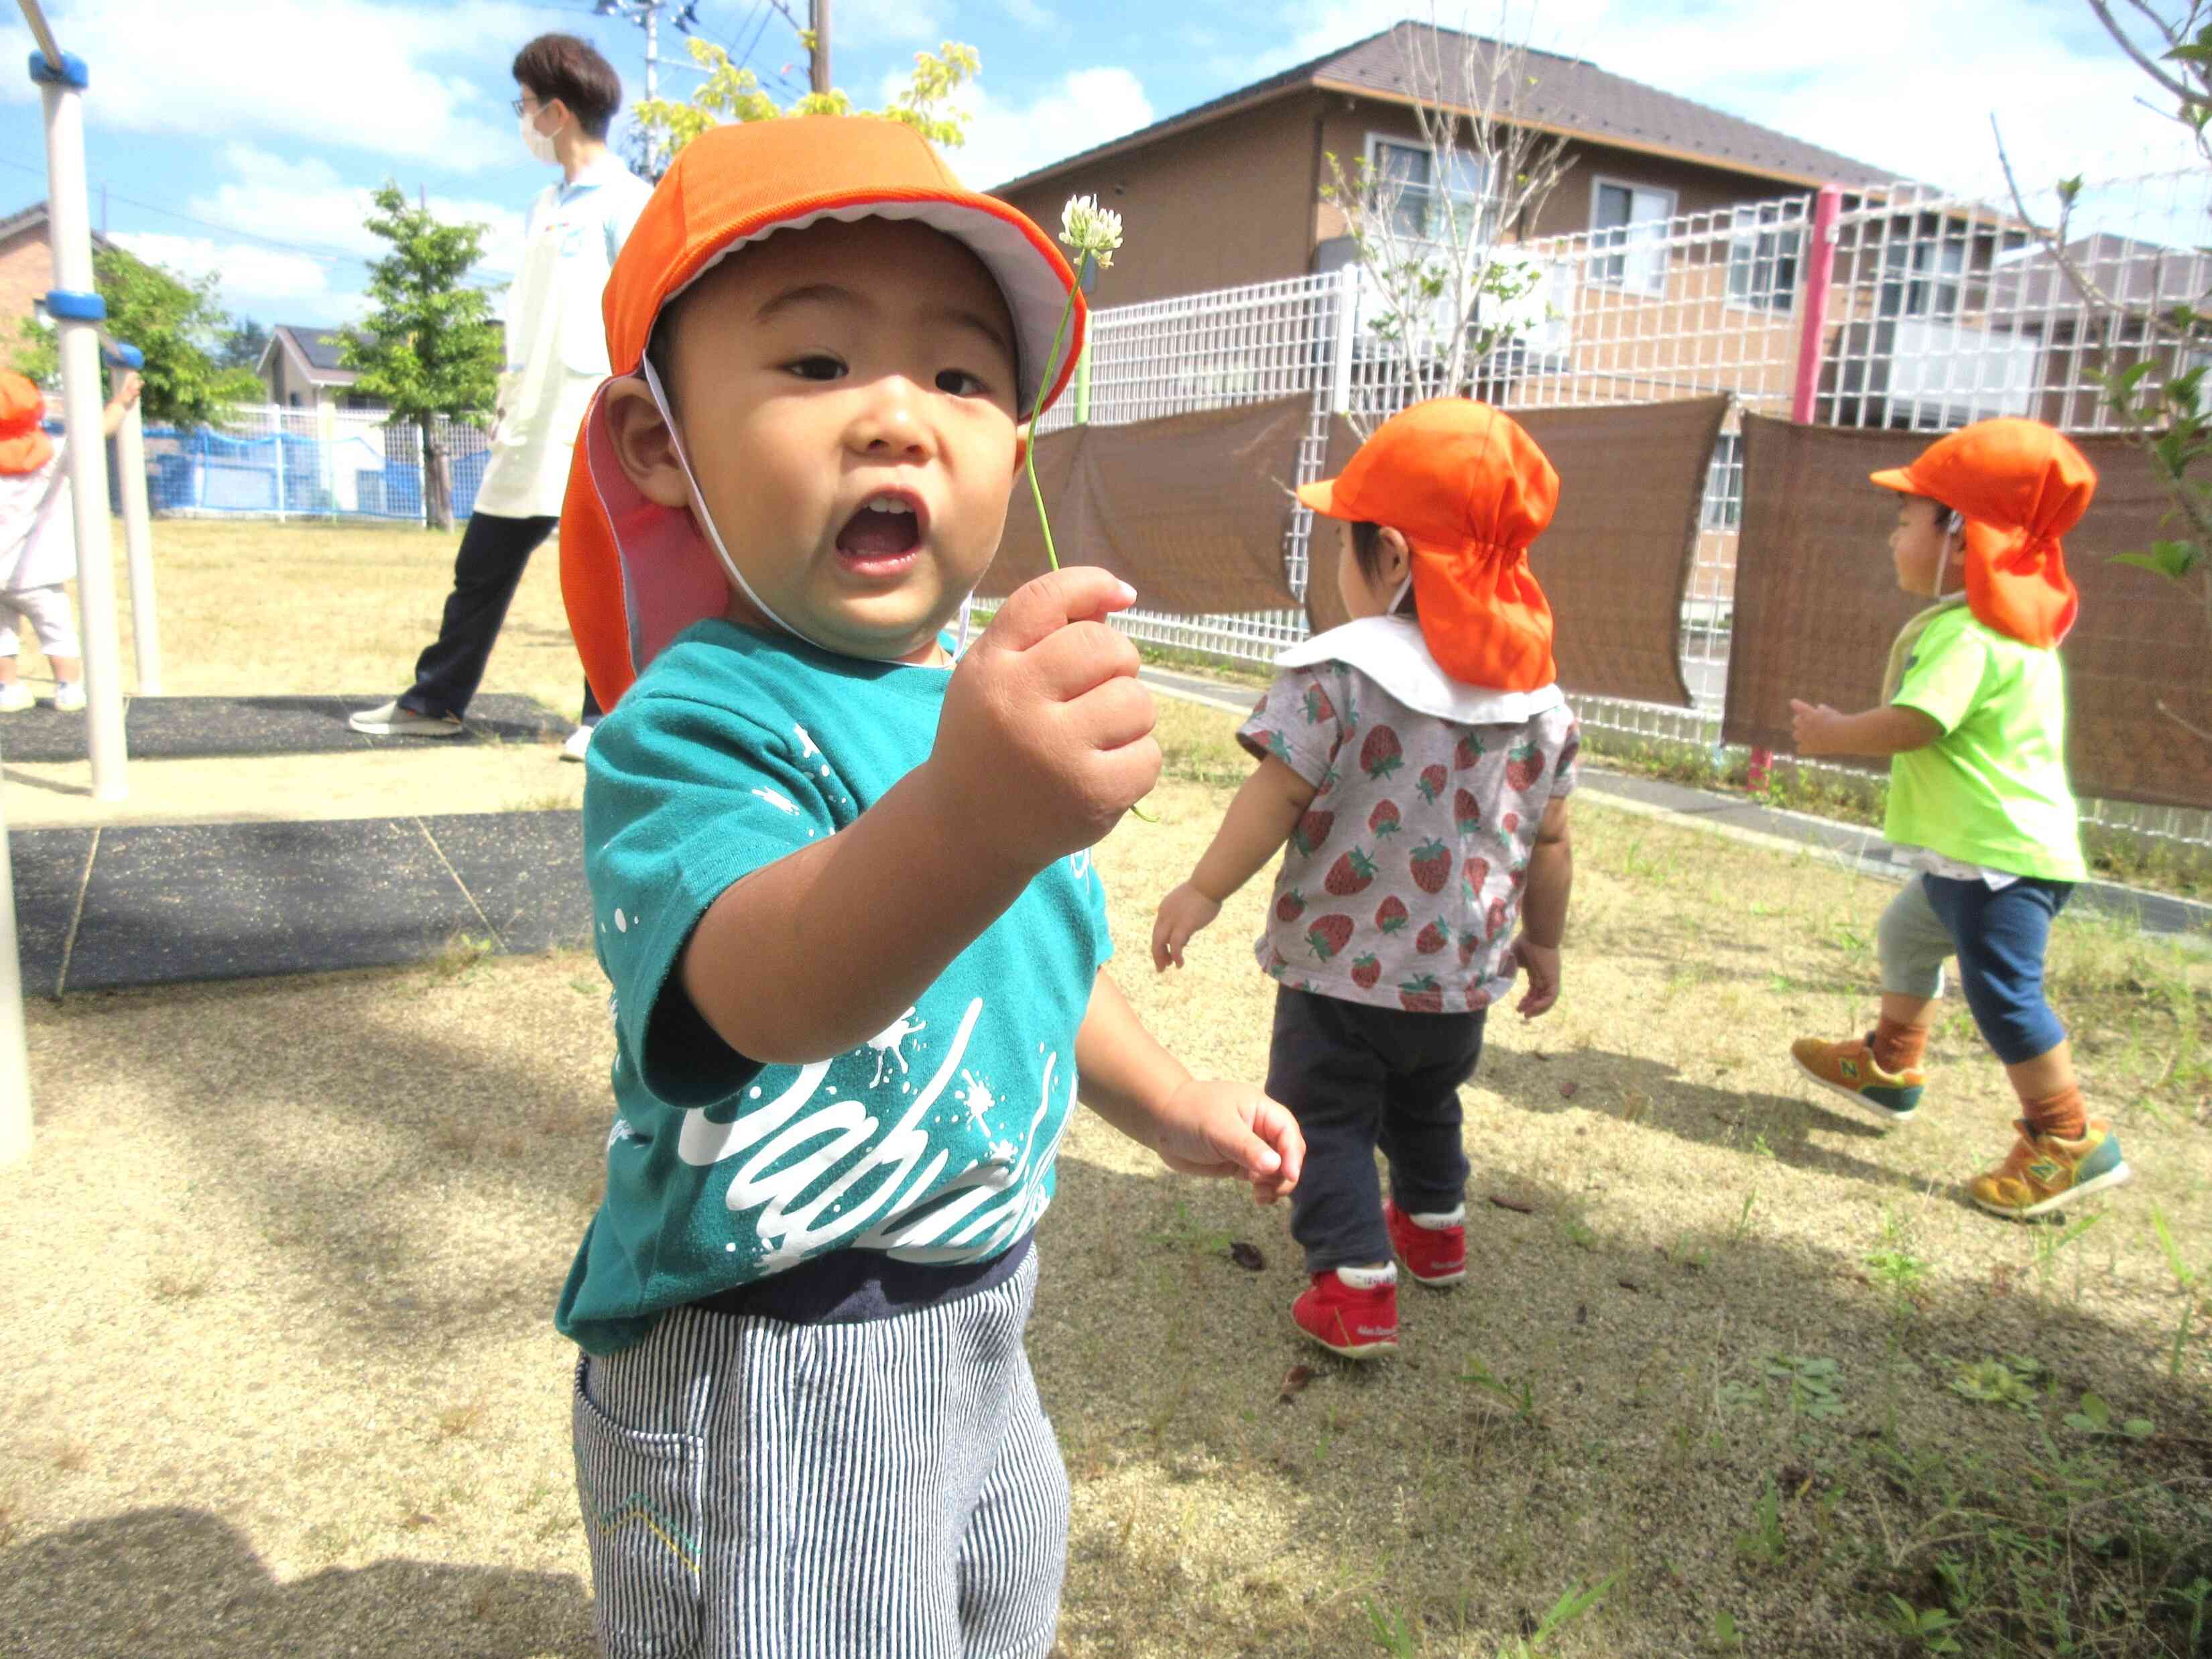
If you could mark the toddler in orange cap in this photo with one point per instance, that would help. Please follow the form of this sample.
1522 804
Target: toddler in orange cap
842 889
38 540
1414 770
1974 718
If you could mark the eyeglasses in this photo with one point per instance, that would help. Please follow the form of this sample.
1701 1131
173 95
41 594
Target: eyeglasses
521 106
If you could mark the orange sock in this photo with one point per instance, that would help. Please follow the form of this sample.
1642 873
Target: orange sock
1898 1047
2062 1114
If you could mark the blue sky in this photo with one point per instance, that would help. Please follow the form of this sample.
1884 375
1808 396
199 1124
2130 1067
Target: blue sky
239 136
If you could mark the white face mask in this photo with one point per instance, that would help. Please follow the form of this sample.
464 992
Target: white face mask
714 537
540 147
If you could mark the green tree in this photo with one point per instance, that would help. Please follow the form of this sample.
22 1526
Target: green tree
428 348
178 323
243 343
733 93
2161 391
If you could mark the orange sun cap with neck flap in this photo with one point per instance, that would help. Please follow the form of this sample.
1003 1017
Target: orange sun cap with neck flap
1469 490
634 573
24 446
2019 486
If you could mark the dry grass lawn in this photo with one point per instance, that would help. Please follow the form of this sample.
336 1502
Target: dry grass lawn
275 1290
248 608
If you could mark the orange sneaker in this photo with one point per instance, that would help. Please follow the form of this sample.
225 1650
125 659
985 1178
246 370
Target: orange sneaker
1434 1247
1357 1320
2042 1172
1849 1069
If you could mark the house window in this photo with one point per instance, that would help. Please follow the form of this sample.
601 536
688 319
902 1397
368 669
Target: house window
1923 279
1762 267
1422 206
1628 235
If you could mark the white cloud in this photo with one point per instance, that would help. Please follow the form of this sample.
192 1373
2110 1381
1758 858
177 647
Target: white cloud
309 202
300 287
1083 107
862 23
346 73
317 214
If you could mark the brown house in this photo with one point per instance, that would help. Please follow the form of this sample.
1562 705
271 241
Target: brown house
1232 192
26 274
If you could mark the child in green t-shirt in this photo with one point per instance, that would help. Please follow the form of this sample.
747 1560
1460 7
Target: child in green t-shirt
842 888
1974 718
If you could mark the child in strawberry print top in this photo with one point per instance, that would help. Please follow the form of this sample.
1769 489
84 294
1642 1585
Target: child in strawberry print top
1414 767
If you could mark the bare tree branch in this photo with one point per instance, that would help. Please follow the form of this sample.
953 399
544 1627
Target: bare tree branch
1432 246
2148 66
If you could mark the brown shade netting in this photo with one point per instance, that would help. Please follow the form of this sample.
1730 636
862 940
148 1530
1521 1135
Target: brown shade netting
1817 605
1190 510
1618 555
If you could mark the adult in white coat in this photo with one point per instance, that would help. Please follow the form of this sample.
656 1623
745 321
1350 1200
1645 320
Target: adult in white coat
556 354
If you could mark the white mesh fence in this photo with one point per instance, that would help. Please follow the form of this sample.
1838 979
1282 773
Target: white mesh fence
1940 310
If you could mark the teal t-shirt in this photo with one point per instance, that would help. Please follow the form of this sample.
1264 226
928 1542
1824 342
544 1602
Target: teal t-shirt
932 1142
1992 790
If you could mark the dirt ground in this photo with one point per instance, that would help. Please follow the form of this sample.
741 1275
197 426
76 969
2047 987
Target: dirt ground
276 1286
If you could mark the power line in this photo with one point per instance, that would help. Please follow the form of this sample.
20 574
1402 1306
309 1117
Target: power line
322 255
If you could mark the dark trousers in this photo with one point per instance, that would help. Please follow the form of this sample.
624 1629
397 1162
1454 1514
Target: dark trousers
2001 934
1357 1077
495 552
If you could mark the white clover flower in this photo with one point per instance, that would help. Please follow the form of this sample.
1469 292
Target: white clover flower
1089 228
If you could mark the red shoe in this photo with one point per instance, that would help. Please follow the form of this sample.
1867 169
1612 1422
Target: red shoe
1358 1323
1434 1256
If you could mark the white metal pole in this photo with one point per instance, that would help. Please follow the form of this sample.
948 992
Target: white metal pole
138 538
278 417
14 1067
75 307
1343 339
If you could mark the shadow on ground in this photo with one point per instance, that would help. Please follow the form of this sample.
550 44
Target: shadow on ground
185 1585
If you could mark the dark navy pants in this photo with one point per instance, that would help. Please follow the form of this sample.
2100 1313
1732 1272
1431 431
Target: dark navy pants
1357 1077
1999 935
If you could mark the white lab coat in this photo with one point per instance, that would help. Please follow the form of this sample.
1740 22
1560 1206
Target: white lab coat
38 526
557 343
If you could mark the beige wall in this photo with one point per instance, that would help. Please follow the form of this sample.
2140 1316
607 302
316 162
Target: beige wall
1228 202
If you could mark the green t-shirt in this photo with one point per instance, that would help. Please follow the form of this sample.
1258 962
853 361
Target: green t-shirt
1992 790
934 1141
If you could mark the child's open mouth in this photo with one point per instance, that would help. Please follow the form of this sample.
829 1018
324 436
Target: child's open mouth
881 539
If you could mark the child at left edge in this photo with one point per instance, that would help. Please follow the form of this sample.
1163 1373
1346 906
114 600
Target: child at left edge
38 540
843 890
1416 760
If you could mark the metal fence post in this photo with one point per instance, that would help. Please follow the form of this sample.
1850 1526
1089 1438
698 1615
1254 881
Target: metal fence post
14 1067
1812 304
1342 338
276 422
76 308
137 533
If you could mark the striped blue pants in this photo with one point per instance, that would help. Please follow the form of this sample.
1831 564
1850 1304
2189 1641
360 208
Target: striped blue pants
759 1489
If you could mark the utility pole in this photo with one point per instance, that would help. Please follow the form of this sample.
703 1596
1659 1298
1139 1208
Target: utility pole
818 17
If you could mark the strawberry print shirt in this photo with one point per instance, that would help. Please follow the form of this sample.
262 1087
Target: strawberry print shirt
1400 887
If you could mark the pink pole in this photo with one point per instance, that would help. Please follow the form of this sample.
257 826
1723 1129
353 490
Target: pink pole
1813 319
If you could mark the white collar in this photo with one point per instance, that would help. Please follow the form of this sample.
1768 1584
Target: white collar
1390 651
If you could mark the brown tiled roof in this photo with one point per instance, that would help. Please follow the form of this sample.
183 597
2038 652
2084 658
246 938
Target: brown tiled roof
1571 94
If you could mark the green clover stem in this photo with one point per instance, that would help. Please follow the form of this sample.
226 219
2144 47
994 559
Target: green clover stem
1036 414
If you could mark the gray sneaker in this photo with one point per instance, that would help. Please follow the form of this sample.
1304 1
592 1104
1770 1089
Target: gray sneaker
389 720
